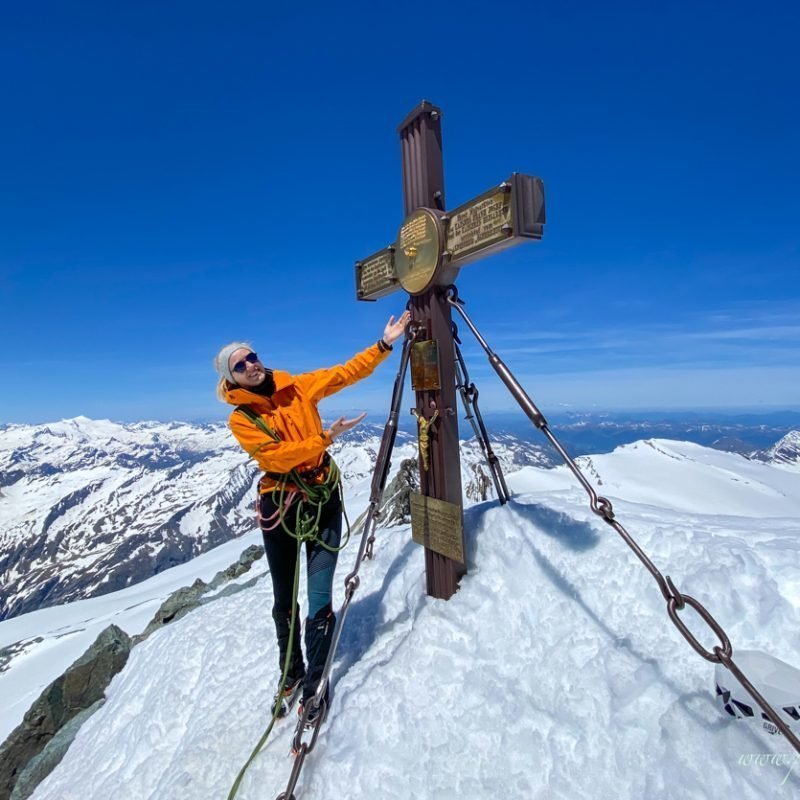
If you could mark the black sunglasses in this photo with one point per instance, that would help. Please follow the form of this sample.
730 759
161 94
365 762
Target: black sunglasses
241 366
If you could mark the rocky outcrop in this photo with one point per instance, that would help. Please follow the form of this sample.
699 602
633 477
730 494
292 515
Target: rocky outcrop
41 765
77 690
177 605
238 568
478 487
396 502
187 598
37 745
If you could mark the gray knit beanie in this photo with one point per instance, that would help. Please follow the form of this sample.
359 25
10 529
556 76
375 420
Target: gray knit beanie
222 361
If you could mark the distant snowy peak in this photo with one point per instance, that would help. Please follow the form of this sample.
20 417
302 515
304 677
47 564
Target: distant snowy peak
786 451
691 478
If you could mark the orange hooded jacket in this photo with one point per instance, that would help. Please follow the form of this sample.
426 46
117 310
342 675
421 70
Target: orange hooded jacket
291 411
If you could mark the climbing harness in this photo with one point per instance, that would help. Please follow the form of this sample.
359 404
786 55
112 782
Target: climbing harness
676 601
302 489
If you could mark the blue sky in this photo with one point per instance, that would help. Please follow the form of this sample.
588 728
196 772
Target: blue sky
177 175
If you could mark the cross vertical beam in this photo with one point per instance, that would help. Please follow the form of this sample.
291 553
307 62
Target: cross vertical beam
423 169
423 186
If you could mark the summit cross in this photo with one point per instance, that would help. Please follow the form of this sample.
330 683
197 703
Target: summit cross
431 247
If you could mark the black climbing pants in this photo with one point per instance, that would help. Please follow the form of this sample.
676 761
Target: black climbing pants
281 549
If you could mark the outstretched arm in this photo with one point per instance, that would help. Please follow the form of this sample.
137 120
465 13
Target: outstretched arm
325 382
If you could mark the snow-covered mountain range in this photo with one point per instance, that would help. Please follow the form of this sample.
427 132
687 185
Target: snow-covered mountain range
554 672
88 507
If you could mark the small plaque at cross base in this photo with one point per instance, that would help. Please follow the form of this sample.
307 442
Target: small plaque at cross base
437 525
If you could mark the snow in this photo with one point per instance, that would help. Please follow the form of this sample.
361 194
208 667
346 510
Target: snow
554 672
68 630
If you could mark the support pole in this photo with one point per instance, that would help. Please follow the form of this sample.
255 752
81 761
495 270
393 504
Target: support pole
423 186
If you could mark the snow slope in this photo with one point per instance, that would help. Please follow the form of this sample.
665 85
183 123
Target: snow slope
553 673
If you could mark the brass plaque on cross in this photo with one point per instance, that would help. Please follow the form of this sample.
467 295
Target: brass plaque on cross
431 247
479 224
425 375
418 250
505 215
376 275
437 525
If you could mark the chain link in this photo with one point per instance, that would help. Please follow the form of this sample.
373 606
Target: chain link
602 507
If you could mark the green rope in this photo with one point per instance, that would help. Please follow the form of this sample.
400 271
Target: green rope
306 524
286 663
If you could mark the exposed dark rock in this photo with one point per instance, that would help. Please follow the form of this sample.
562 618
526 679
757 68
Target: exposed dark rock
184 600
10 477
785 451
40 766
395 508
246 559
13 650
479 484
79 688
177 605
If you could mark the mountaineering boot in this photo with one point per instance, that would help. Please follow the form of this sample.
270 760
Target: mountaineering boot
297 671
285 696
283 622
319 635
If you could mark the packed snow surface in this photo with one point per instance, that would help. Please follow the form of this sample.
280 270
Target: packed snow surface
554 672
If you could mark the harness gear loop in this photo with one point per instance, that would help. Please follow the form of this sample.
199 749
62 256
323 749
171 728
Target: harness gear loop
311 496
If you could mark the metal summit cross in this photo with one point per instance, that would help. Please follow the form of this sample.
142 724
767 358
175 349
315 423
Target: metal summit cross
431 247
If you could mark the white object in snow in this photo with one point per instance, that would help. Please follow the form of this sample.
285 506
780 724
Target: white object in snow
777 681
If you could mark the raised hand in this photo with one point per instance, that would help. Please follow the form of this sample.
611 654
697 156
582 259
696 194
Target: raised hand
343 425
394 330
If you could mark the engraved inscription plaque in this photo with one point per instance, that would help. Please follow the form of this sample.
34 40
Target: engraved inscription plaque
504 216
437 525
479 224
375 276
418 250
425 375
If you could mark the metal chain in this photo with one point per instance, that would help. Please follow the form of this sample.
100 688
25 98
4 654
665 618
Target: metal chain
676 601
469 397
318 702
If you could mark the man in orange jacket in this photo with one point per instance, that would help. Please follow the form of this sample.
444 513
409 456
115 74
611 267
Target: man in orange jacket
277 423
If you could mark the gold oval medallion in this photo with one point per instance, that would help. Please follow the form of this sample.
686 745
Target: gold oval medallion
418 250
